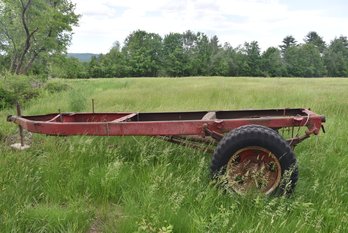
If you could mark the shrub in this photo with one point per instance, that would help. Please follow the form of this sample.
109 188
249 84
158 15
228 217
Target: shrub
53 87
15 88
7 98
77 102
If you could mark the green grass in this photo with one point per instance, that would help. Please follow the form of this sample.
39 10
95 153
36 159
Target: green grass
139 184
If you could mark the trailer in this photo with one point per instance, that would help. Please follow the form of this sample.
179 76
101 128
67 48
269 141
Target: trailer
248 152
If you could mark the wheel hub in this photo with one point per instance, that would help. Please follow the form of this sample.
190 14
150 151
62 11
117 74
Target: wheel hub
253 169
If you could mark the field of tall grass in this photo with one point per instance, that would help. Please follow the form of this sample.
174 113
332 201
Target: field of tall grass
140 184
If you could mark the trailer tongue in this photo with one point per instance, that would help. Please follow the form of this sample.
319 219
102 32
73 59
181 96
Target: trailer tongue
250 154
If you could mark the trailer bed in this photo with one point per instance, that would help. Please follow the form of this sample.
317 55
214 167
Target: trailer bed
166 123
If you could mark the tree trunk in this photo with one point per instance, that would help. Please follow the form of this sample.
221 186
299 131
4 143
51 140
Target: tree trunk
29 35
30 63
13 63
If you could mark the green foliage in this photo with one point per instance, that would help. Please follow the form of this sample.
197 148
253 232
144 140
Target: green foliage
33 31
219 64
288 41
113 63
336 57
7 98
201 56
34 36
68 67
316 40
174 57
53 87
304 61
272 64
194 54
96 67
20 89
77 101
142 53
230 62
51 218
253 59
4 60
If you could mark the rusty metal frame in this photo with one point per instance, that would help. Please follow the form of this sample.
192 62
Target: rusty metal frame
171 126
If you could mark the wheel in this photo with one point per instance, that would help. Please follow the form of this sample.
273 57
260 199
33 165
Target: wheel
255 158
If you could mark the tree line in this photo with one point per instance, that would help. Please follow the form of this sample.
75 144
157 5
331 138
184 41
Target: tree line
195 54
34 36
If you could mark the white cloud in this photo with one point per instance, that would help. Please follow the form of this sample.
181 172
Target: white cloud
233 21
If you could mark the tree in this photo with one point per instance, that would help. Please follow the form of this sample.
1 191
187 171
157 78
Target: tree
189 39
242 67
253 58
114 62
230 60
174 62
316 40
67 67
198 50
202 55
288 42
336 57
32 30
142 52
304 61
190 44
218 64
214 44
96 68
271 63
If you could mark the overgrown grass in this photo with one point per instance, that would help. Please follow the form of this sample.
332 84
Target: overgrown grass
139 184
21 89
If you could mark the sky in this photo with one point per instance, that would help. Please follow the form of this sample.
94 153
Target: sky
103 22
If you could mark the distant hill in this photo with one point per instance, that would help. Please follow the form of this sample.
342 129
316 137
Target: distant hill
84 57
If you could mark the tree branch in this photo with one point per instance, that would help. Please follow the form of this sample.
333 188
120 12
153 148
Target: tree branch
29 35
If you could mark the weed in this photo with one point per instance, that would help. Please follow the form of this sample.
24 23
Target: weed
77 101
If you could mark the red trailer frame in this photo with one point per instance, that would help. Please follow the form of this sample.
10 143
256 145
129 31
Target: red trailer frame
200 129
200 123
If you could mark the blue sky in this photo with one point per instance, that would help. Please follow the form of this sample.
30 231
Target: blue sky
234 21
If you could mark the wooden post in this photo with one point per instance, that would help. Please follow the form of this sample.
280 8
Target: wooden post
19 113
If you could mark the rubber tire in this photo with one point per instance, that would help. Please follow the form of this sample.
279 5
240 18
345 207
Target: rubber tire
267 138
